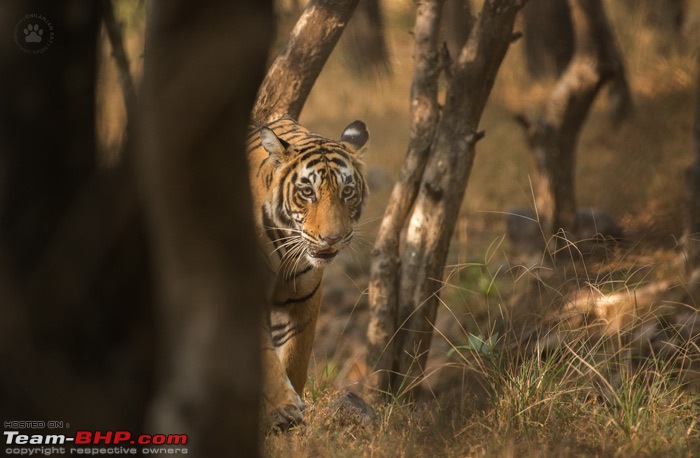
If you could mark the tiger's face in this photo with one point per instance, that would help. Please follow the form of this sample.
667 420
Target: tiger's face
318 191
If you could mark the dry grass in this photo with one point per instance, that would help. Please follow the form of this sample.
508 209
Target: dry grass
588 397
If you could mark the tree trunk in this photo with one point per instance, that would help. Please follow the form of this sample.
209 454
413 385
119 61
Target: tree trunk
549 37
553 137
384 283
414 283
203 66
364 40
293 73
74 277
456 24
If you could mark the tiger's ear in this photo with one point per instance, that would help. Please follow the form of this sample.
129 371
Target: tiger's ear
277 148
355 136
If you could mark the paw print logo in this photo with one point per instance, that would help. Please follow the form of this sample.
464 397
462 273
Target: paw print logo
32 34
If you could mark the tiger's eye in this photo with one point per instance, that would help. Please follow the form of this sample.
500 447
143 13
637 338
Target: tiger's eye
348 191
306 192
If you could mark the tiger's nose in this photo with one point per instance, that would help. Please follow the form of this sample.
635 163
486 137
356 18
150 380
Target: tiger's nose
332 240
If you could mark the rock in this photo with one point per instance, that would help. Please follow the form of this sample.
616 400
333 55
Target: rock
351 409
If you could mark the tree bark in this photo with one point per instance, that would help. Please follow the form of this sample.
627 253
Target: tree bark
431 219
383 289
553 137
293 73
204 63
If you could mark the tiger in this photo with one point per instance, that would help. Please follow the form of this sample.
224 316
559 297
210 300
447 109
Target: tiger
308 195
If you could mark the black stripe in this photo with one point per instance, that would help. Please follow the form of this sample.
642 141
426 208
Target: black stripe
262 164
279 209
299 273
305 149
312 163
342 154
306 156
338 161
270 232
283 338
296 300
282 121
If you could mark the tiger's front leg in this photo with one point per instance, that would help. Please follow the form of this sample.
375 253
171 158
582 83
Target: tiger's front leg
293 319
282 404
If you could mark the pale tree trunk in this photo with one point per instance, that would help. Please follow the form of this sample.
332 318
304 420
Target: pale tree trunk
552 138
383 289
364 40
203 66
406 274
293 73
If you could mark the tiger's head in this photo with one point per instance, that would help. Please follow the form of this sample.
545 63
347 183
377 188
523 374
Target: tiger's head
318 191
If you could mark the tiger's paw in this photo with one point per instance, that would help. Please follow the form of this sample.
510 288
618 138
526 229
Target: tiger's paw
284 417
283 409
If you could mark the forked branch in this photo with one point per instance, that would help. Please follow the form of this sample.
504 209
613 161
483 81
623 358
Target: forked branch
407 270
383 290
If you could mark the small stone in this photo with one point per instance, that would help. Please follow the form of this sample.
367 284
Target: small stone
351 408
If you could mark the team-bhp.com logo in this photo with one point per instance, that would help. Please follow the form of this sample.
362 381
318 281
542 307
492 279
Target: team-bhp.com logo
84 442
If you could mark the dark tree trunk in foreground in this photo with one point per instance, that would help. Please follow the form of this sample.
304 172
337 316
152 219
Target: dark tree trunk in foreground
553 137
293 73
195 181
548 36
73 268
407 271
364 40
